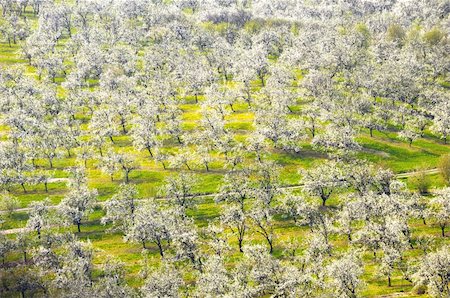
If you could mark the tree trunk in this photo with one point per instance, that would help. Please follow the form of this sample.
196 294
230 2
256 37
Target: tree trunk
161 252
150 151
78 227
112 140
443 231
389 281
51 163
46 186
249 100
270 245
23 187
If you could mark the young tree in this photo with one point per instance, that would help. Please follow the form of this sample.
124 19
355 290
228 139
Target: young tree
179 189
323 180
23 243
127 163
441 121
347 216
77 205
186 240
263 222
236 191
267 182
204 157
104 123
109 163
390 259
150 224
42 176
121 207
312 113
408 134
257 273
145 133
38 216
74 274
214 281
337 141
6 245
112 281
48 144
283 131
235 218
439 209
434 272
8 203
182 158
346 276
258 145
163 282
161 156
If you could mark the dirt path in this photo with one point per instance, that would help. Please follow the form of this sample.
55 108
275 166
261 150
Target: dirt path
13 231
54 180
409 174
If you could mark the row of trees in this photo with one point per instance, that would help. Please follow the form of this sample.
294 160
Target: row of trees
379 75
375 218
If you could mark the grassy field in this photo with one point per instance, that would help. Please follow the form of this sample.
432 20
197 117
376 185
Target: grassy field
384 149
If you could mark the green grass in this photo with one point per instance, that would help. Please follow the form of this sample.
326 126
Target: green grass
384 149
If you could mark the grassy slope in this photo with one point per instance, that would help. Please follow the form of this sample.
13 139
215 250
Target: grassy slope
384 149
